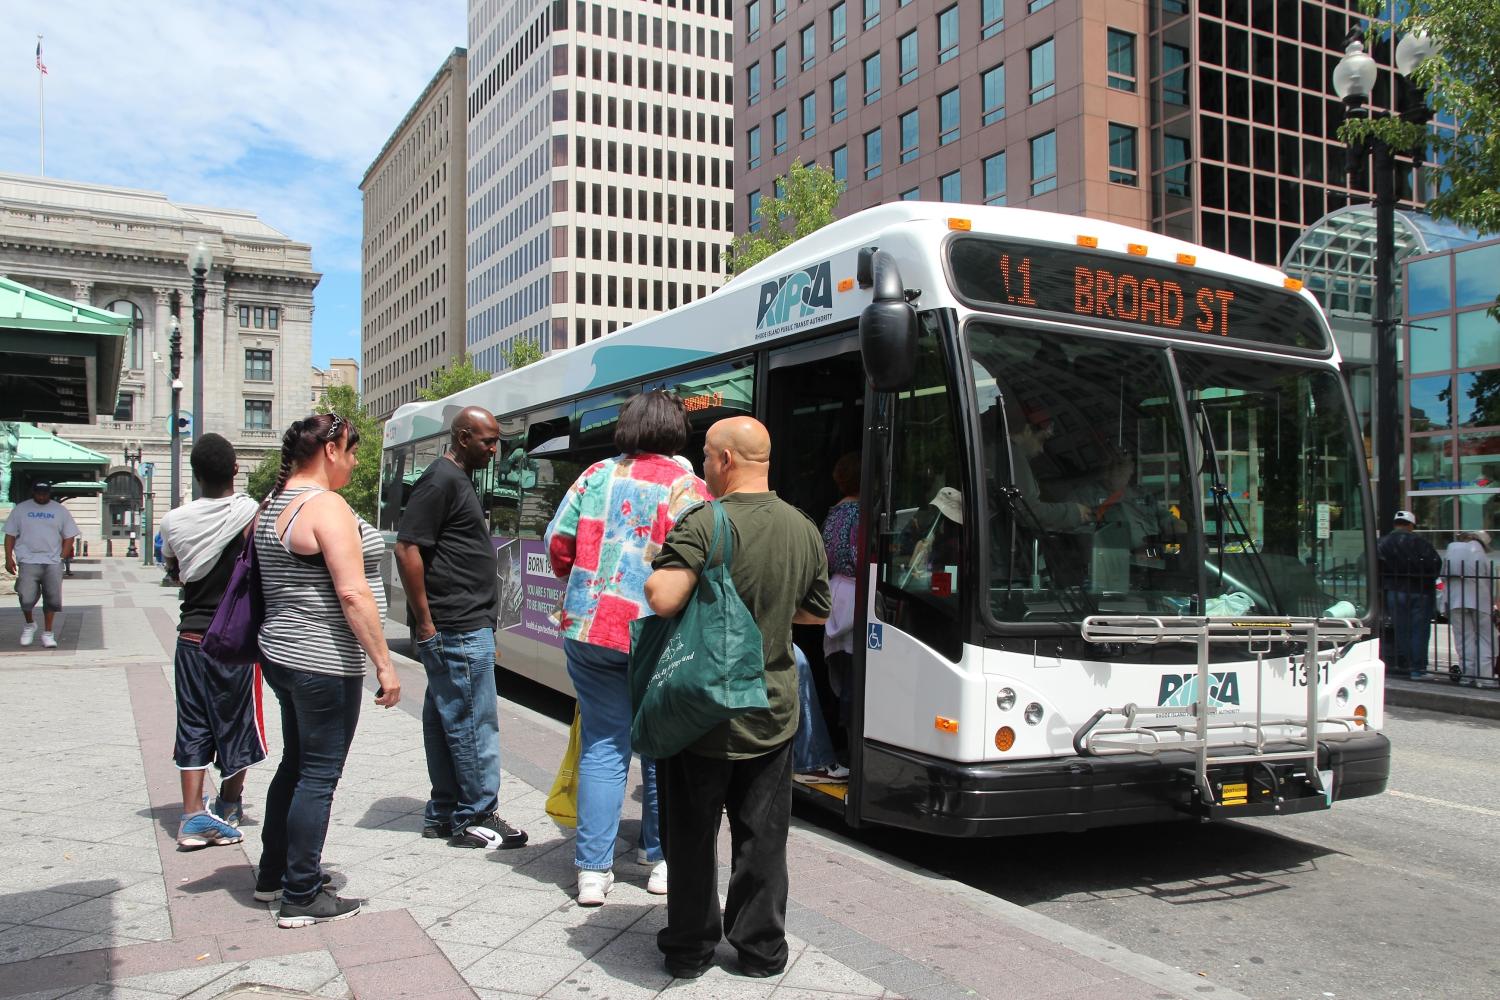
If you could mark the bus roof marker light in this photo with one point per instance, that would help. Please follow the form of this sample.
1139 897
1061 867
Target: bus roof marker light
846 284
1005 738
1187 259
961 225
1295 284
945 724
1136 249
1092 242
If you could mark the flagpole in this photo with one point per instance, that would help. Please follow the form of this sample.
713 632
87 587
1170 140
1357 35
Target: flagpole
41 104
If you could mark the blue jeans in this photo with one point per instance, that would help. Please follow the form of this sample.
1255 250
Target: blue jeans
811 747
600 679
318 716
461 726
1411 621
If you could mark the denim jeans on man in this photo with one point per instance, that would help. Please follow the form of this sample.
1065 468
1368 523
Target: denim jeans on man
811 747
600 679
318 715
1411 622
461 726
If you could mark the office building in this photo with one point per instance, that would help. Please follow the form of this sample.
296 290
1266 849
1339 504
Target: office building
127 251
412 300
340 371
600 174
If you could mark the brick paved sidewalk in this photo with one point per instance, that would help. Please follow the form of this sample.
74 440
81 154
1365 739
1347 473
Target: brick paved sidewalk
96 901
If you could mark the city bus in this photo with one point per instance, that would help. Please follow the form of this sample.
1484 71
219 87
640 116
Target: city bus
1115 540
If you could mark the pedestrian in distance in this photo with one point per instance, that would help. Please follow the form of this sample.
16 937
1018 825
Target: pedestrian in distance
219 719
39 537
841 546
607 529
447 566
1471 593
1409 568
743 767
324 605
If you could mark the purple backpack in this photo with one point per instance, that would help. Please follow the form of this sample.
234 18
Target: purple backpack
233 637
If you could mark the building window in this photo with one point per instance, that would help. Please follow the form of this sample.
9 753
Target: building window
840 101
992 90
752 20
273 318
872 13
948 34
752 148
257 365
1121 60
778 11
1123 168
994 179
1043 72
872 79
948 117
911 195
753 204
752 84
1175 156
1044 163
910 136
1174 82
260 317
778 67
951 186
135 342
907 65
778 133
1035 5
257 414
809 46
838 26
840 161
809 115
244 315
872 154
125 408
991 17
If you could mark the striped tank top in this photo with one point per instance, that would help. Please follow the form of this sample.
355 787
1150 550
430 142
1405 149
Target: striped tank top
305 627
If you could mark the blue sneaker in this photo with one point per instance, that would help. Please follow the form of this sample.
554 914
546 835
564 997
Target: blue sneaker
203 829
232 813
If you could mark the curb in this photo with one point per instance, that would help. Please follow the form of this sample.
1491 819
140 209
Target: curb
1433 698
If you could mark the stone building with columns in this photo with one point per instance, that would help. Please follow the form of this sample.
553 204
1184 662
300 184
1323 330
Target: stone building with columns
127 251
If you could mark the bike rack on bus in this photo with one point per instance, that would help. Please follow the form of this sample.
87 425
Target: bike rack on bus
1323 641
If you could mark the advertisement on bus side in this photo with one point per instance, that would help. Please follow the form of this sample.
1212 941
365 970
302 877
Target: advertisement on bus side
530 596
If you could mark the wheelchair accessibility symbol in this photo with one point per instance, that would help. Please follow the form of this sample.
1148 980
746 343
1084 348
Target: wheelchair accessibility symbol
876 638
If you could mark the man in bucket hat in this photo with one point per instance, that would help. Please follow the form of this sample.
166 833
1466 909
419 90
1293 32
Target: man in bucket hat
1409 566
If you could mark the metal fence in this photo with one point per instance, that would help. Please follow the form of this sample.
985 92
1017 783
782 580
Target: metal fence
1443 627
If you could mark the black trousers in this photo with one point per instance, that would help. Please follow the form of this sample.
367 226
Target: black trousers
757 795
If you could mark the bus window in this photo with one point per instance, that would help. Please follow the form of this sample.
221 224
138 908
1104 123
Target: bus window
595 420
511 473
922 555
553 468
392 488
711 394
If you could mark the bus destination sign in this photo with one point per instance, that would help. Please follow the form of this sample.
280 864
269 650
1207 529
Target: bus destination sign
1175 300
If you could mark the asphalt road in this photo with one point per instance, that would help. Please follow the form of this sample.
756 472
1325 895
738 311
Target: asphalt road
1391 896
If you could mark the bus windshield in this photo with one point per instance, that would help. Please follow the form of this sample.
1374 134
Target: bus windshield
1128 478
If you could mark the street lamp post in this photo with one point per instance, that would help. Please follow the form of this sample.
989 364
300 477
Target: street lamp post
1354 80
174 358
132 459
199 262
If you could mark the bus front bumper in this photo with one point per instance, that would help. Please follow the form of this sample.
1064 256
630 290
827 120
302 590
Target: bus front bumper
913 791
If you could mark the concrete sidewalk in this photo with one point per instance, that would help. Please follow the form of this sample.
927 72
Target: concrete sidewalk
96 901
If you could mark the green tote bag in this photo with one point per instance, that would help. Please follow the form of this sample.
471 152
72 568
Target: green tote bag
694 671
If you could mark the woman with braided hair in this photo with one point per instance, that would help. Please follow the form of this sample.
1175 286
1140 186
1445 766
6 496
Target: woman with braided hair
320 576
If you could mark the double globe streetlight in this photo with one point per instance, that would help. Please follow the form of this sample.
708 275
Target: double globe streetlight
1354 81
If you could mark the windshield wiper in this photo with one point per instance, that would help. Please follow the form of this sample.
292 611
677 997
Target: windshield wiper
1226 509
1073 595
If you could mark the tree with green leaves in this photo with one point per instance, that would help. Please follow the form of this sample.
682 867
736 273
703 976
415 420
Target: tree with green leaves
522 353
263 476
808 198
363 490
1462 82
456 377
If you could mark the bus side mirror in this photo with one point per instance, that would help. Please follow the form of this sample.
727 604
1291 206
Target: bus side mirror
887 326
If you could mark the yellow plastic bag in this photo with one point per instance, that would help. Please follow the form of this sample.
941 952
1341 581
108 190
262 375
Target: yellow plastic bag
562 801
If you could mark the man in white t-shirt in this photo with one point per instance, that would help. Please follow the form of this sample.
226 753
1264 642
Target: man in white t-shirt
38 536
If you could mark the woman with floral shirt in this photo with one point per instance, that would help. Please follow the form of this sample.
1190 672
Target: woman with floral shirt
607 529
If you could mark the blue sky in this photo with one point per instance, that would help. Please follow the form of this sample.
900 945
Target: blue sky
277 107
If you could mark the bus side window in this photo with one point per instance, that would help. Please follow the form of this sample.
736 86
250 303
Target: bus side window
511 473
922 554
552 471
392 490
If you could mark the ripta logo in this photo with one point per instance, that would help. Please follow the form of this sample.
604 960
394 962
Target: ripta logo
1182 689
795 296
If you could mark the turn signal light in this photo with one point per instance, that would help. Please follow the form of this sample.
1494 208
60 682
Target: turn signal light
1005 738
962 225
945 724
1361 714
845 284
1088 241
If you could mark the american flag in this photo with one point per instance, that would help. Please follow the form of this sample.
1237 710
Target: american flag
39 64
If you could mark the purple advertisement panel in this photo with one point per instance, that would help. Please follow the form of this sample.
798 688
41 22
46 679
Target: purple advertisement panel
530 596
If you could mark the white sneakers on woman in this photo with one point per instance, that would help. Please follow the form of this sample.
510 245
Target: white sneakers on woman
593 887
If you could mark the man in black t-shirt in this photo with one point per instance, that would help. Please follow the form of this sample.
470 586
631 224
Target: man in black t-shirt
218 705
447 566
1409 566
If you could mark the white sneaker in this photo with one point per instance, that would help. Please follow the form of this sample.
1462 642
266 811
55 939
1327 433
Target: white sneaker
28 633
48 641
657 883
593 887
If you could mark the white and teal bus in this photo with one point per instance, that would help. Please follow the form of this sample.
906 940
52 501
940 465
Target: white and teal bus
1115 542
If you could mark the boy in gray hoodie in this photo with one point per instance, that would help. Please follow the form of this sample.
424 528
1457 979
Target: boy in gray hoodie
219 718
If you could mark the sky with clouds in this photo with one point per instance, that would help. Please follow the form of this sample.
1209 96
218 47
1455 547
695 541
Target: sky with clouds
277 106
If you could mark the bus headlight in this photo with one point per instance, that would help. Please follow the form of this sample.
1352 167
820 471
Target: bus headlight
1361 682
1033 713
1342 698
1006 699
